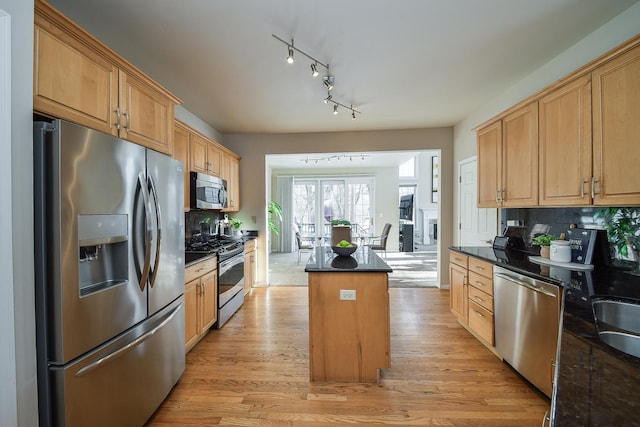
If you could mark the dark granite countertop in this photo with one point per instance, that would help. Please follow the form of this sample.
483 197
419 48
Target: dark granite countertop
323 259
581 289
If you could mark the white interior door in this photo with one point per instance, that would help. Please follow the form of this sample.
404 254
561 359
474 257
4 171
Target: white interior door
477 226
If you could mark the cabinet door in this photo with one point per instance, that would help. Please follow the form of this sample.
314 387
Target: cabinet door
214 160
198 154
249 271
191 313
489 165
520 157
565 145
458 302
72 81
181 152
147 115
616 133
209 300
233 184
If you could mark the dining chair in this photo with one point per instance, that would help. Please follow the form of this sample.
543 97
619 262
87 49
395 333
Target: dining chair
379 243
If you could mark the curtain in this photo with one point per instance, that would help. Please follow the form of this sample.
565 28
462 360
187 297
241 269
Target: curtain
284 197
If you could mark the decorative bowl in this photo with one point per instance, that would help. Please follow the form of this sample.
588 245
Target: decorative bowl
344 251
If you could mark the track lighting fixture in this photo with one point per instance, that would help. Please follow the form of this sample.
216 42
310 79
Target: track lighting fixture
329 157
328 80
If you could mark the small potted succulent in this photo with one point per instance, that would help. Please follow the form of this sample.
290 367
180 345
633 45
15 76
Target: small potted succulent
544 241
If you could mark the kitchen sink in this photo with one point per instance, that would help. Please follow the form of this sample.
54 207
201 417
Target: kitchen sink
619 325
626 343
618 314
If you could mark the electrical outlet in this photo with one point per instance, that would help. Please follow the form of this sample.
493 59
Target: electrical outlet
347 294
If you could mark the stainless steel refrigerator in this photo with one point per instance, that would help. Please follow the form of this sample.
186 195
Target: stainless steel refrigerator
109 230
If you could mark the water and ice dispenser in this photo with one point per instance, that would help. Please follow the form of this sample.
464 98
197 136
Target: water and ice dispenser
103 260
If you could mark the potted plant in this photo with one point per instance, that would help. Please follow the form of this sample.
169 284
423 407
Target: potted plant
235 224
623 231
340 230
275 216
544 241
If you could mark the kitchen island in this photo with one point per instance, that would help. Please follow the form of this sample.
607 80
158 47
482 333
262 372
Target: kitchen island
349 338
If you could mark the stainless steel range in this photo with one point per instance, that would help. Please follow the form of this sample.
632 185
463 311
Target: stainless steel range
230 254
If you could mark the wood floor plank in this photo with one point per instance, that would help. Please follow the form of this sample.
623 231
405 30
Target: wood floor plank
255 372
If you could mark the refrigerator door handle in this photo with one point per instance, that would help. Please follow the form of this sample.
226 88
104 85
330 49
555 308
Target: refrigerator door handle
154 196
147 234
129 346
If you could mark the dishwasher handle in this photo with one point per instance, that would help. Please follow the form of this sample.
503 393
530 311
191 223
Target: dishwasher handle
531 286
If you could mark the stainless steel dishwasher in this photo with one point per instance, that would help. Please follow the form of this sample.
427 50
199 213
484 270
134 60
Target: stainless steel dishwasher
527 317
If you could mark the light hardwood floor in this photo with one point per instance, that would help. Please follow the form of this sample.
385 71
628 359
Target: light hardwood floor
255 372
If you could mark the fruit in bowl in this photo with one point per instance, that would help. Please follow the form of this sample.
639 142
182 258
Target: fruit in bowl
344 248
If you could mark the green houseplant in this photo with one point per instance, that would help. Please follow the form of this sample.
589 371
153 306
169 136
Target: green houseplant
623 228
544 241
275 217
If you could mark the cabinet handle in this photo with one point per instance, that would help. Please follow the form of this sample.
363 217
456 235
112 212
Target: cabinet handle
477 267
497 194
479 314
477 298
117 110
593 187
582 183
546 418
479 283
127 121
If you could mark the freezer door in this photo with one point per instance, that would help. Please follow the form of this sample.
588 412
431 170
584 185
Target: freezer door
166 189
87 190
123 383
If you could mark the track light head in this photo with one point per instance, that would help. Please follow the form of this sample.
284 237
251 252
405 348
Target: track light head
329 81
335 109
328 98
314 70
290 57
353 115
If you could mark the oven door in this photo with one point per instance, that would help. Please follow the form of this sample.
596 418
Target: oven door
230 278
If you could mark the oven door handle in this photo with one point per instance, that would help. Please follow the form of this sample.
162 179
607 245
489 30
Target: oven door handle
227 264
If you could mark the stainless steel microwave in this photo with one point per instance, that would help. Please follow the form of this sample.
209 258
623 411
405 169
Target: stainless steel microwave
207 192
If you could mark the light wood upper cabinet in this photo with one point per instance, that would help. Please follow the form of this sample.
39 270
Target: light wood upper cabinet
72 80
490 165
231 173
146 116
616 130
508 160
198 153
520 157
79 79
565 145
181 152
205 155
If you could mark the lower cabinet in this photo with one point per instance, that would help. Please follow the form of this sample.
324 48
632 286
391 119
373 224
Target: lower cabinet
201 300
471 295
249 265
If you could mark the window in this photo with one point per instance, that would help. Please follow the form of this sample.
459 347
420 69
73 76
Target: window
340 198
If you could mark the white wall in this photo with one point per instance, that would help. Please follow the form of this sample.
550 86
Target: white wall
253 174
613 33
196 123
18 404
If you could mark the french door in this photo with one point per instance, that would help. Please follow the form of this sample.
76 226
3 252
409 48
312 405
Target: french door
316 202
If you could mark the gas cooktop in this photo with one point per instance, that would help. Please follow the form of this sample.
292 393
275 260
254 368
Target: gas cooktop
200 247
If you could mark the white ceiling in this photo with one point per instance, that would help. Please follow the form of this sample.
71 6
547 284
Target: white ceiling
402 63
